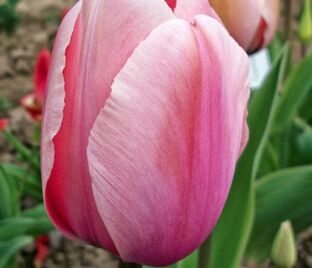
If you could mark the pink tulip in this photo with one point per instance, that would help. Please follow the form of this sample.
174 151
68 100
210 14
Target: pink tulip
145 118
251 22
33 102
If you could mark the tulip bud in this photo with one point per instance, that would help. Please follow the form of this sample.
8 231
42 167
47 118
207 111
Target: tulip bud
284 251
305 27
3 124
42 245
251 23
33 102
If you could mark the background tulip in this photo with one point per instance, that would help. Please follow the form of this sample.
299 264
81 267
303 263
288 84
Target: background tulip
33 102
251 23
145 118
3 124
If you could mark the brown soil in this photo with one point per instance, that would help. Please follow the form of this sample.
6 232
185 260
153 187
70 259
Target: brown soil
70 254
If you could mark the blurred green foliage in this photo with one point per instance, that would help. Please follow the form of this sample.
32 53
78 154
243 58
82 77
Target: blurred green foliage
8 17
5 106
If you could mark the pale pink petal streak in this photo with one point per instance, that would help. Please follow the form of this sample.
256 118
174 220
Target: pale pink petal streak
163 149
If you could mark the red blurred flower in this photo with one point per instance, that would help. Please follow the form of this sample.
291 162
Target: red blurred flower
43 247
33 102
3 124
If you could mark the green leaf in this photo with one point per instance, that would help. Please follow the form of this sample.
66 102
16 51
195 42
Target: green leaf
12 227
280 196
32 222
297 86
35 213
5 197
303 143
26 154
8 196
305 110
9 249
276 46
232 231
270 160
190 261
27 182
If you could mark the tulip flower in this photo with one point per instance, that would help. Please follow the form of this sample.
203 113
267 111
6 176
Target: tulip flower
252 23
144 120
42 245
3 124
33 102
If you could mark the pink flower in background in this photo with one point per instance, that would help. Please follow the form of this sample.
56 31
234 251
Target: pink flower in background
252 23
42 245
3 124
145 118
33 102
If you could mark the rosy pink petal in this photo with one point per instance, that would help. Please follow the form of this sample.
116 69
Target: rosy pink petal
188 9
259 38
172 3
105 35
241 18
41 73
270 13
163 149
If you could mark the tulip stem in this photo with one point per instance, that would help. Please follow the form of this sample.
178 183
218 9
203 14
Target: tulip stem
128 265
204 254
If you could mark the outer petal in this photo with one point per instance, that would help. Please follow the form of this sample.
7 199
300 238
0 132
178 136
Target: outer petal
188 9
163 149
241 18
55 95
105 35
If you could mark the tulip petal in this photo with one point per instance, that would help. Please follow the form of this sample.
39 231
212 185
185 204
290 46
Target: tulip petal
188 9
105 35
270 13
241 18
259 37
171 3
53 118
41 73
163 149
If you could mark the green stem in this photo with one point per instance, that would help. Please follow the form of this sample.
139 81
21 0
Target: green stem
204 254
128 265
